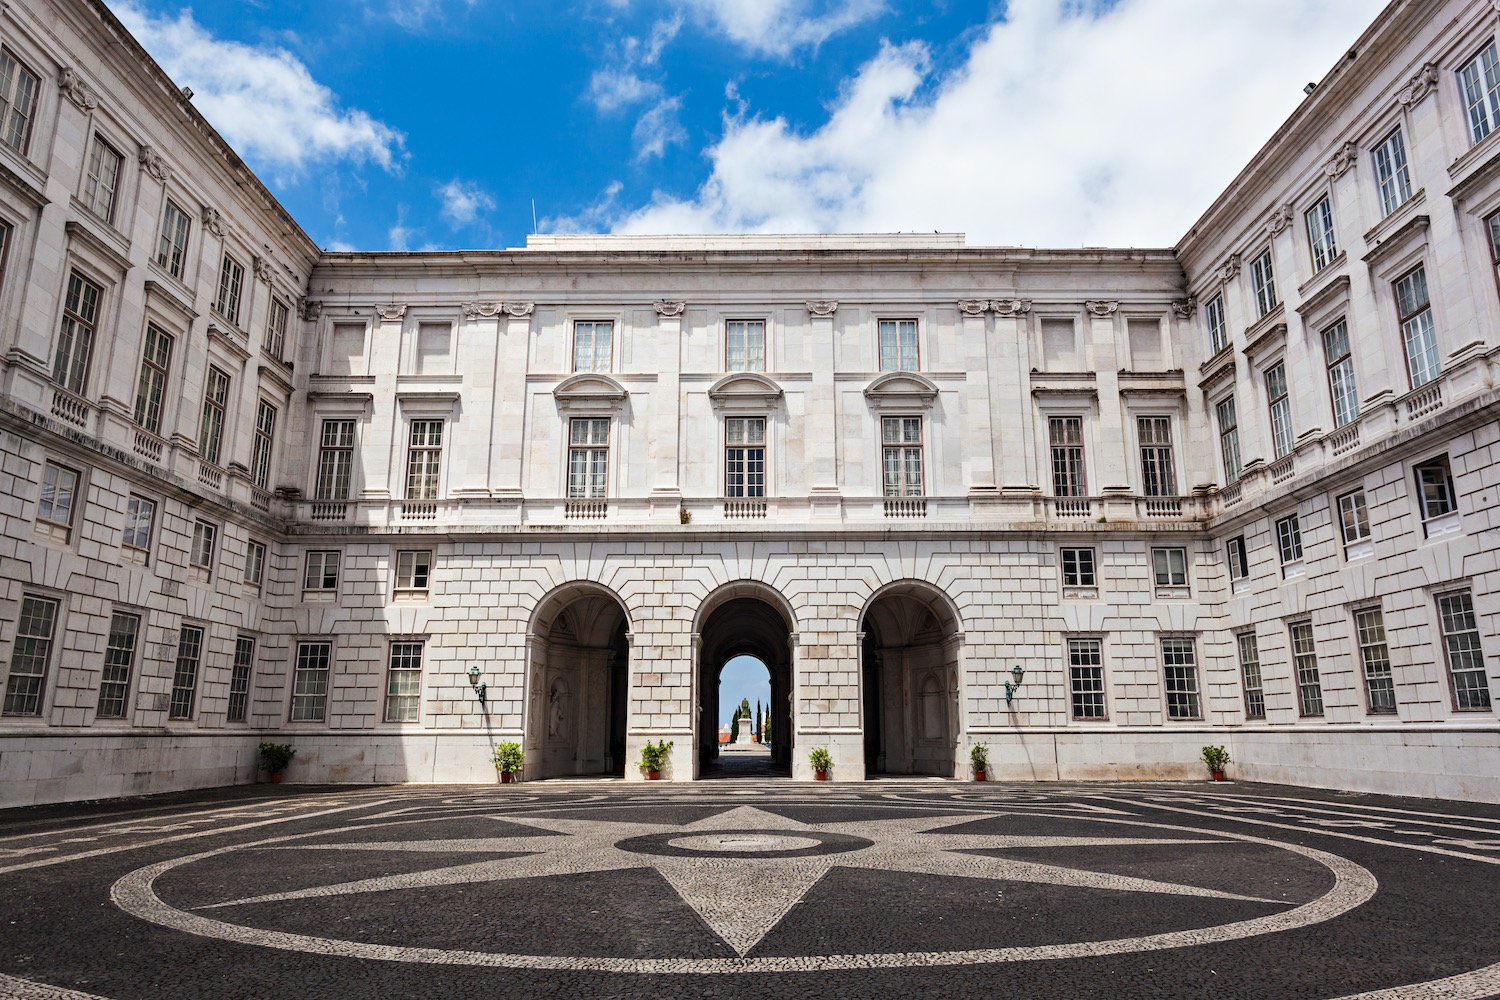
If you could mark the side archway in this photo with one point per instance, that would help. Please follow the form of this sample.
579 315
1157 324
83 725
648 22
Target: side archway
911 673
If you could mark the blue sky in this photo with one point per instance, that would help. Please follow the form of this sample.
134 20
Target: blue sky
409 124
742 677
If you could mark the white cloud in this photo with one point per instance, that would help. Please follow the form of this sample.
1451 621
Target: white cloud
659 128
1063 126
613 89
777 27
263 100
463 201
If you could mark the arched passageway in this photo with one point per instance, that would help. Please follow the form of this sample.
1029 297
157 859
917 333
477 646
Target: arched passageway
911 677
575 713
745 626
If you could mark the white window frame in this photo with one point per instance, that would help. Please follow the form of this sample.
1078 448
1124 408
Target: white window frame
1375 660
1289 542
413 573
740 455
216 388
1067 459
1079 565
58 498
1237 556
228 299
1087 695
403 689
1247 646
205 540
903 469
151 386
277 317
1218 327
255 563
1279 407
1479 86
1229 439
118 668
1353 511
1392 171
424 459
337 439
1263 284
1180 688
312 668
590 360
101 178
172 240
1343 389
901 351
321 568
1169 570
588 457
1418 327
138 537
1158 455
1463 652
31 655
1321 237
1305 669
263 444
242 670
77 332
186 670
19 88
748 356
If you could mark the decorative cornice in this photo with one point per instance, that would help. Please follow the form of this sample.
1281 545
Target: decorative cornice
669 309
1280 219
1010 307
1101 308
1419 86
1344 159
153 163
589 391
973 307
76 90
1229 268
822 307
1400 239
901 389
309 309
1184 308
214 222
519 310
82 233
262 268
389 311
1336 289
481 310
156 291
229 342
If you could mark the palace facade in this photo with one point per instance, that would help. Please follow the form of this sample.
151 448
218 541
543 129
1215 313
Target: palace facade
1092 508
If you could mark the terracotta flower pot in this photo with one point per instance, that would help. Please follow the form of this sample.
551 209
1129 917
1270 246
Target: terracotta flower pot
1218 775
979 774
506 777
275 777
820 775
653 775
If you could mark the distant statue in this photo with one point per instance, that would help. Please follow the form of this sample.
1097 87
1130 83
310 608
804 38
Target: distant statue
557 711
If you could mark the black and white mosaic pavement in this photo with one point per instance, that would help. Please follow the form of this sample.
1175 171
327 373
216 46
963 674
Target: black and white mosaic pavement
758 890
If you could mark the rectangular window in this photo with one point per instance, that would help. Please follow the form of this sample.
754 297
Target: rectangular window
413 571
1340 374
901 454
1320 233
1435 488
403 696
151 387
434 348
171 245
1229 440
30 656
58 496
1238 558
1066 437
185 673
322 570
1309 687
310 683
1179 662
1289 539
593 346
101 182
1218 330
202 553
276 319
1078 568
18 90
1255 693
1471 689
1263 280
1391 172
1354 517
1169 566
255 563
231 283
1086 678
1380 688
1158 472
335 460
424 457
588 458
119 659
239 678
1418 335
1281 409
1480 81
140 515
265 437
745 345
75 338
211 427
898 345
745 457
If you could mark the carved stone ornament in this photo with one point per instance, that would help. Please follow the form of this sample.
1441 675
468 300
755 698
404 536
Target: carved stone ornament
481 310
390 310
311 309
519 310
1101 307
214 222
78 92
1280 219
153 164
668 309
262 267
1230 268
1184 308
1345 158
1419 86
973 307
1011 307
823 307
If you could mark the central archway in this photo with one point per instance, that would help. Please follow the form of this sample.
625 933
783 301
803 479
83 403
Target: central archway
579 652
745 619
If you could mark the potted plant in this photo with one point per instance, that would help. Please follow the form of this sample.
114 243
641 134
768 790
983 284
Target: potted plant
274 757
653 756
979 759
508 758
821 761
1216 758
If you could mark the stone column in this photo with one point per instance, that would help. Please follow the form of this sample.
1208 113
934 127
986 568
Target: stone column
512 348
1111 461
666 487
820 423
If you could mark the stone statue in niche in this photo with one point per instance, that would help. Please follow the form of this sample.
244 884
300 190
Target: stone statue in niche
557 710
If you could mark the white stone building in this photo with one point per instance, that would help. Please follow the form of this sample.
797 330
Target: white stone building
1241 491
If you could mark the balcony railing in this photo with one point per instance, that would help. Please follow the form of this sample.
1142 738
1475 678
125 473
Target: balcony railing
326 510
1074 508
70 408
411 511
1428 399
740 510
149 446
1163 507
260 499
586 510
210 475
906 507
1283 469
1344 439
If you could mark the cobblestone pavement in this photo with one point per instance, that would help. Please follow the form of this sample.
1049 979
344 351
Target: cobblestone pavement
752 889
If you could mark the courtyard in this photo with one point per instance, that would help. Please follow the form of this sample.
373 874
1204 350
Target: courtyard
752 887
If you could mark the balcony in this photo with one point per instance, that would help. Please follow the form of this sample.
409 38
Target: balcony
73 409
586 510
210 475
741 510
148 446
906 507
